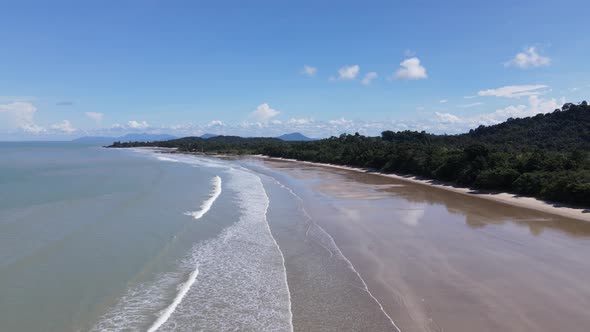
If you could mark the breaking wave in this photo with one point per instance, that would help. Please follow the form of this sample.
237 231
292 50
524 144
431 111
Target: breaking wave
235 280
206 206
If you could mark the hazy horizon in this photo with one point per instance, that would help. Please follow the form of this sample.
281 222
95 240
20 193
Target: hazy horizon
267 68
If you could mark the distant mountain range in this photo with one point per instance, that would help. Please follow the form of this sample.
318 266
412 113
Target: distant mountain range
545 156
294 137
143 137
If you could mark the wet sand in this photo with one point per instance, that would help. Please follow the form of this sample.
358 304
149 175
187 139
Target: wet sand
559 209
439 260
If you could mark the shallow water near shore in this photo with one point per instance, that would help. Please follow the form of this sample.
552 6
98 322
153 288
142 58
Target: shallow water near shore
97 239
137 240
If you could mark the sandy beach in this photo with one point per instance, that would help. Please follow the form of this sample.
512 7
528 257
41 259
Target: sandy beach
506 198
444 259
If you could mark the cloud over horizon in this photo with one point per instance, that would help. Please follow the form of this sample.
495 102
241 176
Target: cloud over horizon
20 115
65 126
96 117
263 113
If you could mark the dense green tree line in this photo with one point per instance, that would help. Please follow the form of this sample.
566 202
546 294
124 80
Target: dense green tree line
545 156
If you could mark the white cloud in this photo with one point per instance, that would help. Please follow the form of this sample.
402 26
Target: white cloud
535 106
443 101
31 128
96 117
64 126
341 122
20 115
137 124
348 72
369 77
529 58
263 113
309 70
302 121
514 91
447 117
411 70
472 105
215 123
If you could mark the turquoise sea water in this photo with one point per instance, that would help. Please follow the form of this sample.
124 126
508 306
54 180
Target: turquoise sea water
105 239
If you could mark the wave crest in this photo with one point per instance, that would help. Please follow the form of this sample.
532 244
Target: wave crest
208 203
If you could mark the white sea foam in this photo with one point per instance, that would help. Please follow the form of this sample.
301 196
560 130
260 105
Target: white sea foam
242 283
208 203
167 159
183 289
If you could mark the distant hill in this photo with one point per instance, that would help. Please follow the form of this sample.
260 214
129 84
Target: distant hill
565 129
295 137
208 135
545 156
143 137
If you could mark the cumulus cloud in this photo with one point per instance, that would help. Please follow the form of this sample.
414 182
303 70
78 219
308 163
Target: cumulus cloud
370 76
215 123
514 91
309 70
341 122
264 112
65 126
410 69
20 115
348 72
529 58
96 117
302 121
447 117
443 101
31 128
137 124
535 106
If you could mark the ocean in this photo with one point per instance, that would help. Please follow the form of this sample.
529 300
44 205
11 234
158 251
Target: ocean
95 239
101 239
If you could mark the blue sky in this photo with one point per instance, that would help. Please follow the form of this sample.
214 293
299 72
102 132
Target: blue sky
72 68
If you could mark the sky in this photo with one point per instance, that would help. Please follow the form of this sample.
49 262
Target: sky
265 68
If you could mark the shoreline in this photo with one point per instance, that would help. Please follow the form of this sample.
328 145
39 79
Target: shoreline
530 203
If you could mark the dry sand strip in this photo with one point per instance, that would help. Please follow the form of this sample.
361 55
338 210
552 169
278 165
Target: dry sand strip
506 198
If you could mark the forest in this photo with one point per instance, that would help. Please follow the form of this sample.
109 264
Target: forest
545 156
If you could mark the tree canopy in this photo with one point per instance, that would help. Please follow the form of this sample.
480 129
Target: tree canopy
545 156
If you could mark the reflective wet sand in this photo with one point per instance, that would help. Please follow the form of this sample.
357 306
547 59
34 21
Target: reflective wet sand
441 261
